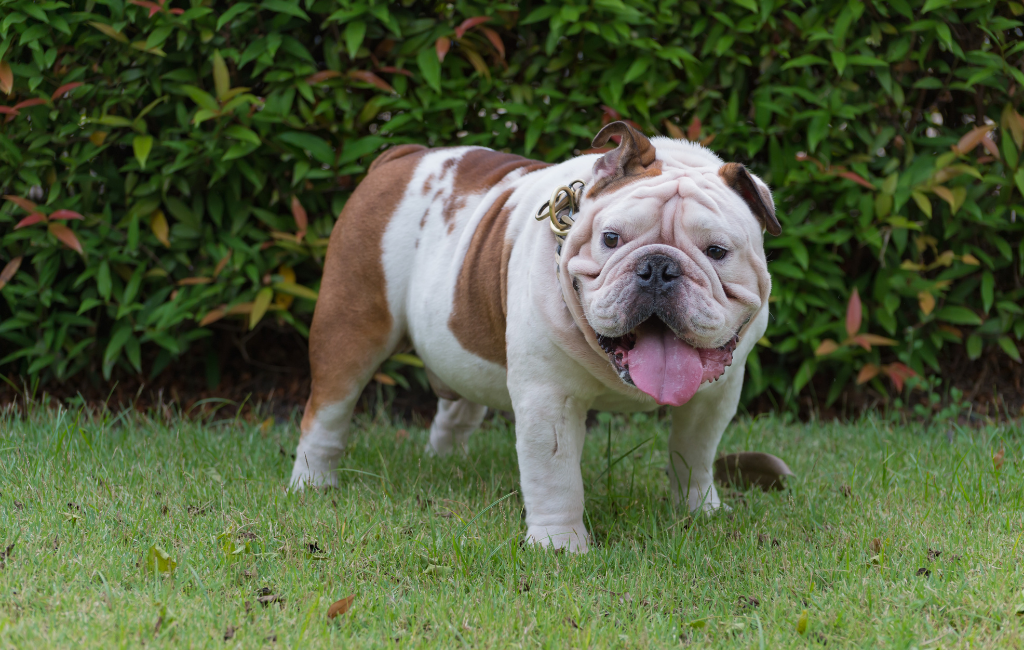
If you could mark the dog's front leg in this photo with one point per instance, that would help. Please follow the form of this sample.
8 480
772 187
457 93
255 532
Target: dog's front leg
697 428
550 428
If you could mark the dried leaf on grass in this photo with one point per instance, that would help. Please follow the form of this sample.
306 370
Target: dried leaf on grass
339 607
266 596
801 623
157 560
746 468
5 555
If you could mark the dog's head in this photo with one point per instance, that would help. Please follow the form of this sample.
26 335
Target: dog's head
665 264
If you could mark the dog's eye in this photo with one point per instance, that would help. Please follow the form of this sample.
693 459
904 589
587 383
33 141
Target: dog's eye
611 240
716 252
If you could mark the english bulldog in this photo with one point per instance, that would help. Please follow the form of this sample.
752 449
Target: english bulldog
645 285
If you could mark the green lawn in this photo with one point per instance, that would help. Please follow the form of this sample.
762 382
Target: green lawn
890 536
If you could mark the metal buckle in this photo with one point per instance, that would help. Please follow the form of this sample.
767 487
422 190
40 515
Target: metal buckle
563 206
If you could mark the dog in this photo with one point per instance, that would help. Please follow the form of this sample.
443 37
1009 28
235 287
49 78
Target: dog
645 284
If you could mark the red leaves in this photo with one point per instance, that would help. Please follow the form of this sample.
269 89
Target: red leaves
63 89
898 373
154 7
322 76
856 178
58 230
495 40
64 215
9 270
24 204
14 111
29 102
7 84
469 24
973 138
66 236
30 220
693 131
359 75
838 170
370 78
301 221
393 70
853 314
867 340
6 77
441 46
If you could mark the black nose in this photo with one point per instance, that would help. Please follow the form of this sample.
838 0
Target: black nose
657 273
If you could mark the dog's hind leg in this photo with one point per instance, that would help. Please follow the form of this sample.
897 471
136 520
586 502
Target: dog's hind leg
350 337
354 327
454 422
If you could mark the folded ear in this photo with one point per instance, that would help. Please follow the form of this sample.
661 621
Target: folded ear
633 158
754 192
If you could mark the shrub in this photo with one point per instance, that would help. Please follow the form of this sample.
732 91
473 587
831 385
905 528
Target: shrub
178 167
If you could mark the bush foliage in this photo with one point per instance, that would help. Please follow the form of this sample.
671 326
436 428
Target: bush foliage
176 166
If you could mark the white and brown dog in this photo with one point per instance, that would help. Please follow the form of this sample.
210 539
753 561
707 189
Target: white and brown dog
654 295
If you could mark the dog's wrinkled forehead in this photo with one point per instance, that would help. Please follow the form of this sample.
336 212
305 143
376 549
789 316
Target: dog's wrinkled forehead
639 170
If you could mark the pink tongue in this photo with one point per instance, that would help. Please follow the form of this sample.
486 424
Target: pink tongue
663 366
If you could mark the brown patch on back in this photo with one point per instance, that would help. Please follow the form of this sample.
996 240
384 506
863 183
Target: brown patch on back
478 171
394 153
352 322
757 198
480 308
631 161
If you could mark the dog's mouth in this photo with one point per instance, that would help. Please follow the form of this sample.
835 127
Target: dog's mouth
655 360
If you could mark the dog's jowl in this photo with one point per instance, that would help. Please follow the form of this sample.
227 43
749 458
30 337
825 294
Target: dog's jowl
645 284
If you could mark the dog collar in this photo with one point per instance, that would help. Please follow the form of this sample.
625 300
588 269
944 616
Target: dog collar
560 211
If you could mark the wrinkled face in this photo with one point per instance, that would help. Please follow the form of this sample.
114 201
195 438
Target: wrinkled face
668 269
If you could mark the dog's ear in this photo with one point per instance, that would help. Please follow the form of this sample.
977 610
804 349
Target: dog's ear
754 192
633 158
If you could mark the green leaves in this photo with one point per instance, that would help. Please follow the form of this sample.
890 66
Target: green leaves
260 305
201 97
354 33
221 81
195 224
290 7
958 315
233 11
430 67
109 31
141 146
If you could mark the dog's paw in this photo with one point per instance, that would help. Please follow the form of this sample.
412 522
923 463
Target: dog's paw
711 509
303 477
441 446
571 538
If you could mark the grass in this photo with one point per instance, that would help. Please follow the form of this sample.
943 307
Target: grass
890 536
